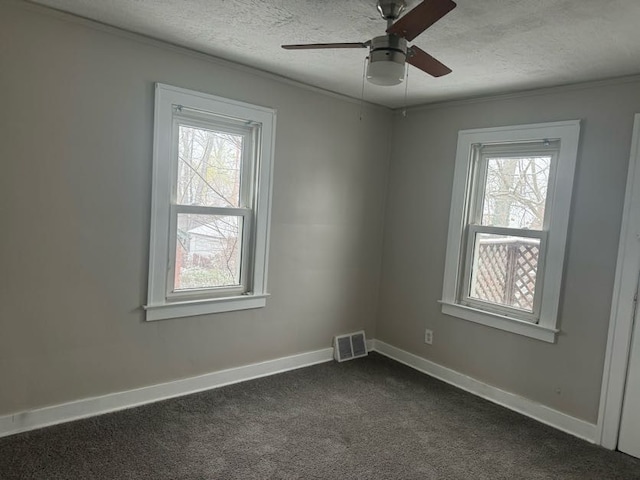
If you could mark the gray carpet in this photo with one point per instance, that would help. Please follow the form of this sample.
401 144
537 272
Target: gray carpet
370 418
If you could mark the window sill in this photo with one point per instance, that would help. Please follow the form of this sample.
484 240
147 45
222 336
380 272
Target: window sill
202 307
500 322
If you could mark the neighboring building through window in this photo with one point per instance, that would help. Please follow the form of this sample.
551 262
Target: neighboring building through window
210 206
508 226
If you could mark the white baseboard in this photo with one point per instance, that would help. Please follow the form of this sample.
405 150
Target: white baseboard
89 407
371 345
537 411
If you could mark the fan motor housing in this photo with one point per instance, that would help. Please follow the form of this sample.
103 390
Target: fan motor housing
388 48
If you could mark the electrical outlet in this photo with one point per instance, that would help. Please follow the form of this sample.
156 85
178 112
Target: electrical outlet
428 336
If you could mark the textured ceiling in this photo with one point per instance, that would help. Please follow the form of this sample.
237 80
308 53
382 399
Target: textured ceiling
493 46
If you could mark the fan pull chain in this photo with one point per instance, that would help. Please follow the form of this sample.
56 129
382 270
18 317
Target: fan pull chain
364 73
406 89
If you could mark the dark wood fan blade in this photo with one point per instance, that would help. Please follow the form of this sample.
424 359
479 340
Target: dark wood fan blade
309 46
425 62
420 18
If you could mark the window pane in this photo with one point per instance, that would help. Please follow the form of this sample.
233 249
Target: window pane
516 192
208 251
504 270
209 165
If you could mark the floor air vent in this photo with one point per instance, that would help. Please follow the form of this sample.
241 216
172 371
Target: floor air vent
347 347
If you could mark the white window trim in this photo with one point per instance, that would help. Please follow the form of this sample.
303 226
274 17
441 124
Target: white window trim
160 305
568 132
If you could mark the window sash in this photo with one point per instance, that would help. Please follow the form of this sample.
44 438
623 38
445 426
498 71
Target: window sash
465 286
481 155
250 134
246 255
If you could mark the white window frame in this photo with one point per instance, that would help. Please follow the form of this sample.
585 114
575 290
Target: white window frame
464 224
474 226
177 106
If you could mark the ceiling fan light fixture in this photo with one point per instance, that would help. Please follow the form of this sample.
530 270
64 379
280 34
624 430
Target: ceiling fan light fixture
389 54
386 60
385 72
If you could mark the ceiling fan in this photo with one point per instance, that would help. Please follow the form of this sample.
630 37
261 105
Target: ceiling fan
388 53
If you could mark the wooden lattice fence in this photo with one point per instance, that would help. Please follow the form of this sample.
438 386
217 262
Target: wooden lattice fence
505 272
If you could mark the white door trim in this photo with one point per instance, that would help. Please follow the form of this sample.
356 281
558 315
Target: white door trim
622 305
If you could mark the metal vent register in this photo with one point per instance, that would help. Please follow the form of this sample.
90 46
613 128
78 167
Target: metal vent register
348 347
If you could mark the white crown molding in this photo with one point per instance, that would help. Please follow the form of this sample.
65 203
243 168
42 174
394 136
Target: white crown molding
532 92
568 424
163 44
175 48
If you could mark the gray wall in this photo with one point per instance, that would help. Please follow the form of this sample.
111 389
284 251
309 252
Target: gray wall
76 123
566 375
